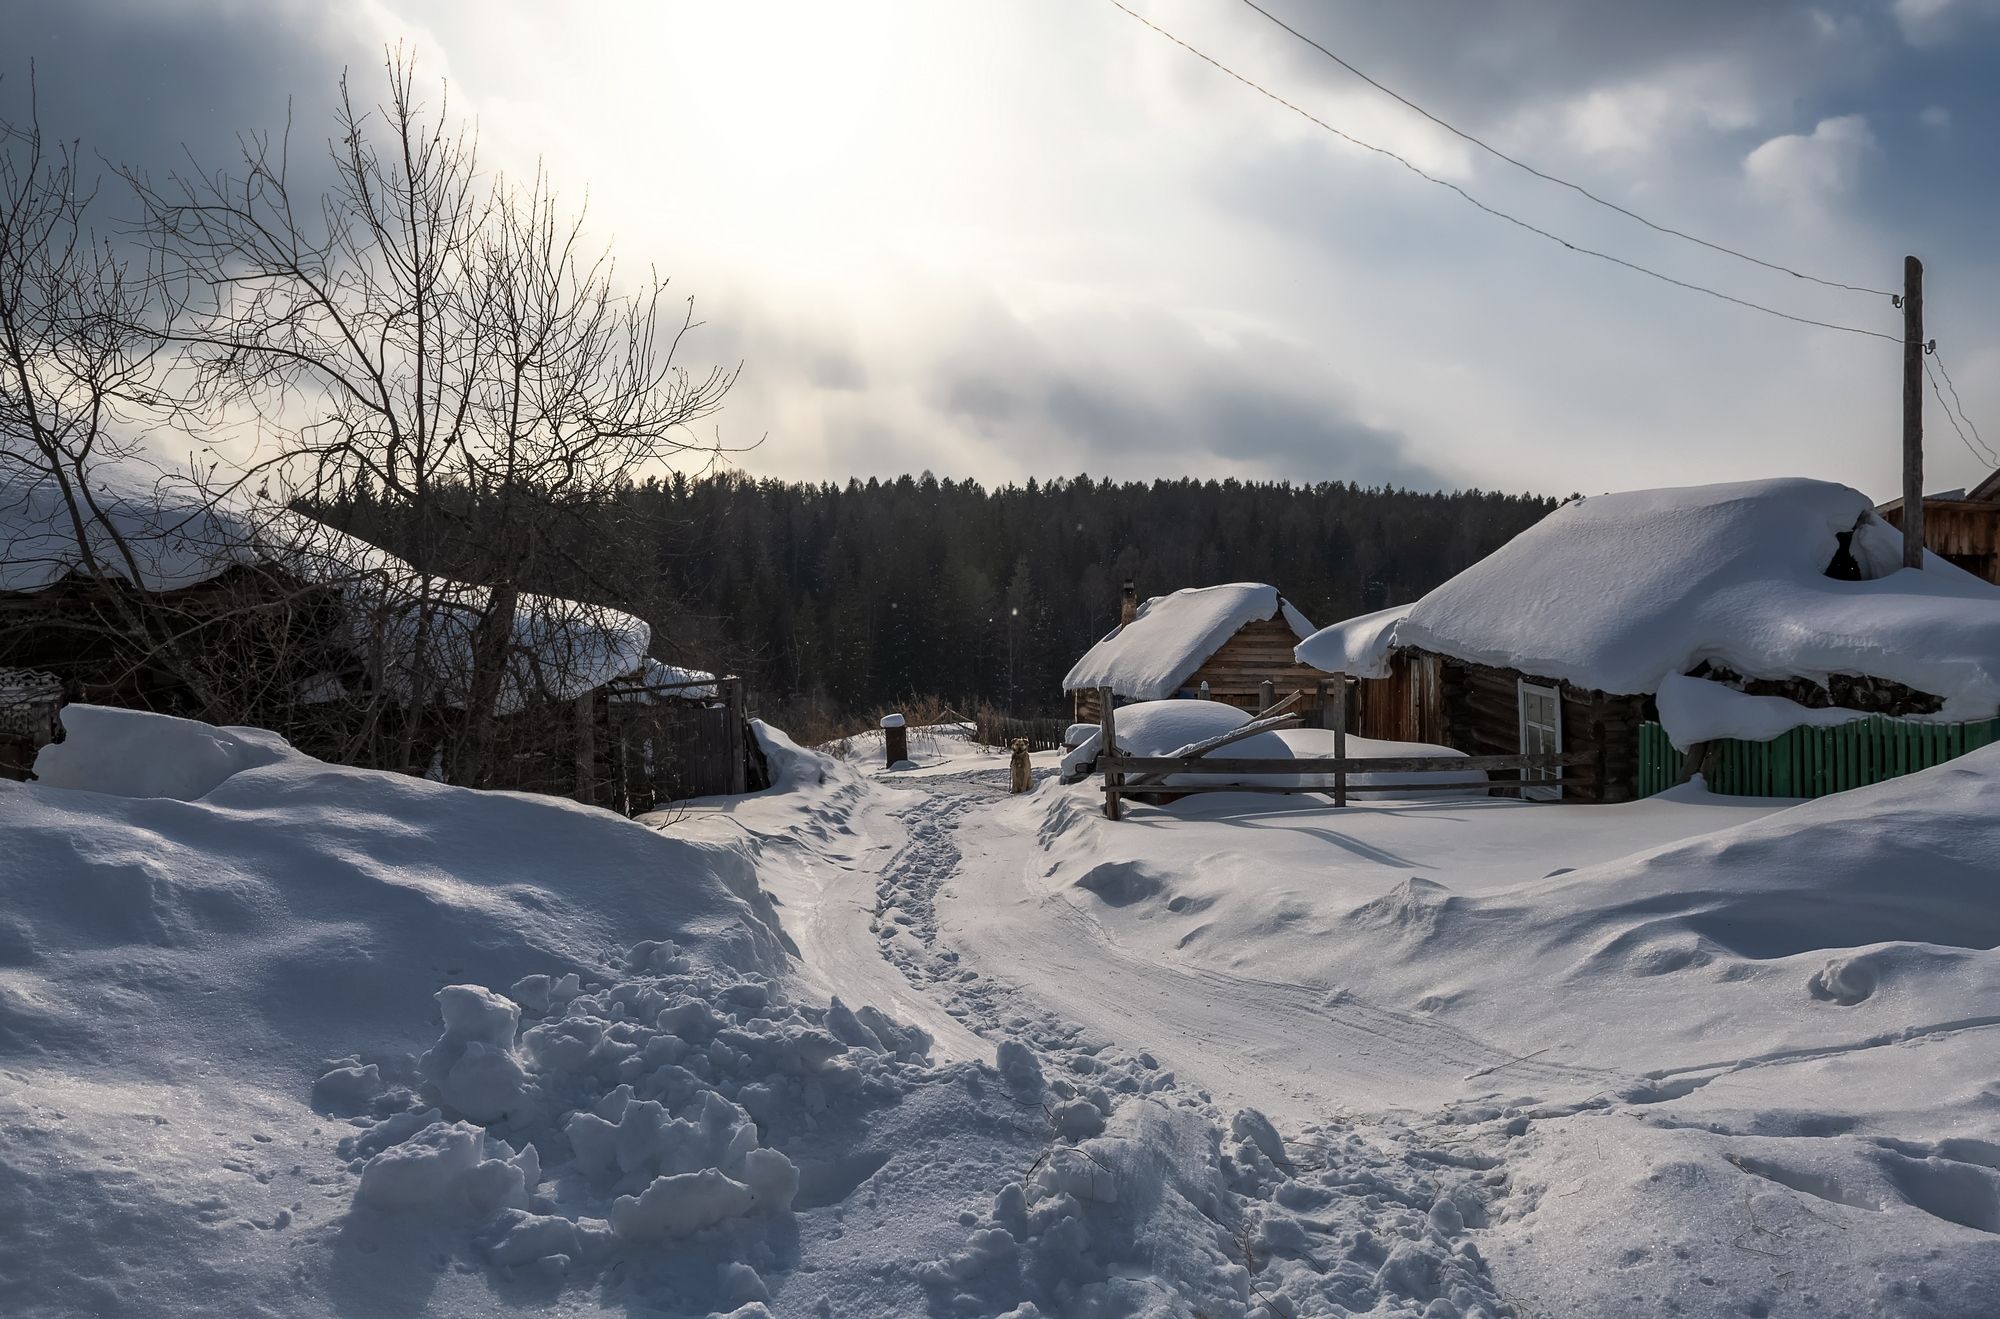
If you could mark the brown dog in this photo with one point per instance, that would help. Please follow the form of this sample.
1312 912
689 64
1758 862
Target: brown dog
1024 778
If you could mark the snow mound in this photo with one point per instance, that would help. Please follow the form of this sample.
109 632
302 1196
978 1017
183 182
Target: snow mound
793 766
1842 918
126 753
1622 592
1165 728
1698 710
1152 657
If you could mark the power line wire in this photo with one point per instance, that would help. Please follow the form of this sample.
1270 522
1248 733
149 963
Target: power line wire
1932 376
1546 177
1494 211
1991 456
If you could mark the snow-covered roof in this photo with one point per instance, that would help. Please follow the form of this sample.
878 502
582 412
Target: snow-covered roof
658 681
1152 657
1620 592
172 535
1359 647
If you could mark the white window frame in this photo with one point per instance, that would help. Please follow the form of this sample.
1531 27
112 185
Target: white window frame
1549 789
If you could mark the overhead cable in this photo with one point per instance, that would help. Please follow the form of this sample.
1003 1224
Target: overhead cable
1495 211
1546 177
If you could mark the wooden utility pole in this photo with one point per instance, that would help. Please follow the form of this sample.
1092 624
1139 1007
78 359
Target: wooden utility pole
1107 745
1340 738
1913 412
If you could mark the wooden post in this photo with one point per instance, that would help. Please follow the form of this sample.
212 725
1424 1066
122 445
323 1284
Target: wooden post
1107 745
1340 738
895 740
1267 692
623 771
586 748
1913 412
739 737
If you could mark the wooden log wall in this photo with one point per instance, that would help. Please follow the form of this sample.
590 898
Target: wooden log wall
1482 711
1237 671
1259 651
1965 531
1406 706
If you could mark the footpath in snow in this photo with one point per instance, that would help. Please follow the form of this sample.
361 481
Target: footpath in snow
1708 1055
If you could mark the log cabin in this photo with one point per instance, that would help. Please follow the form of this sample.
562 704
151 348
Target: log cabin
1221 643
1960 526
1753 625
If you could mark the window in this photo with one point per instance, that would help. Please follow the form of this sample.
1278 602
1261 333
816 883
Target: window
1541 734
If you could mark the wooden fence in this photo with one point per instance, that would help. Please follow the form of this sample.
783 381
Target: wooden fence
1811 762
1119 771
688 740
999 730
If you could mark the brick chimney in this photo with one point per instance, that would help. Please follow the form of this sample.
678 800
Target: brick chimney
1128 605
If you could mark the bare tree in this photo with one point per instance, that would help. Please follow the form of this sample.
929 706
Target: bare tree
83 374
450 340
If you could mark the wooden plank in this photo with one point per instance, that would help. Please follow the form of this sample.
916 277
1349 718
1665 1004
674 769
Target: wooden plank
1498 787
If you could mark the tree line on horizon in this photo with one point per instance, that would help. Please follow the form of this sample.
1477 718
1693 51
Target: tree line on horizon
838 598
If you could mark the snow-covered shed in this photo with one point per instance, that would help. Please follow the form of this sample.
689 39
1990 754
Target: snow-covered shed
1960 526
292 625
1233 638
1716 614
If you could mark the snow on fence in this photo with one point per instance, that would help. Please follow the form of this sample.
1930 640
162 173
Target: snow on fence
1810 761
1537 774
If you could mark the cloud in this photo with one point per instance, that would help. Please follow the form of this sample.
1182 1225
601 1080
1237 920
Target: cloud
1026 243
1931 23
1936 117
1813 169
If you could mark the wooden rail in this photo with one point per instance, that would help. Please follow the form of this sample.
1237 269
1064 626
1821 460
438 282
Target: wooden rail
1116 769
1333 765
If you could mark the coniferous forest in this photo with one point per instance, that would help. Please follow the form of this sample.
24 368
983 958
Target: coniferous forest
843 598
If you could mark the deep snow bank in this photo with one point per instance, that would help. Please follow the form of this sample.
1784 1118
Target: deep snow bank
173 974
1745 1070
323 1041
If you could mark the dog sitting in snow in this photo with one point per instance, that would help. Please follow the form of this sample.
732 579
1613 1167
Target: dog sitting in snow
1023 777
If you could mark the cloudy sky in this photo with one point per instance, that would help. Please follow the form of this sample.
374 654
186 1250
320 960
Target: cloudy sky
1003 238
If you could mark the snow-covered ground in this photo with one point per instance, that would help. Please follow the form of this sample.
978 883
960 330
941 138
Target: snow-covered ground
283 1038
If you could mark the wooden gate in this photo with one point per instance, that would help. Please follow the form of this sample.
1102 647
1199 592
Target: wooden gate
673 749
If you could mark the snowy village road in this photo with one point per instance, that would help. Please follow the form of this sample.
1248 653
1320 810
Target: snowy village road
958 911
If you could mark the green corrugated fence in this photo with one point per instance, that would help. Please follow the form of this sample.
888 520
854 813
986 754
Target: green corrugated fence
1812 762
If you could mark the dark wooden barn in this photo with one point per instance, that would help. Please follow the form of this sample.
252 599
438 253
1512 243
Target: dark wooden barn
1962 527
